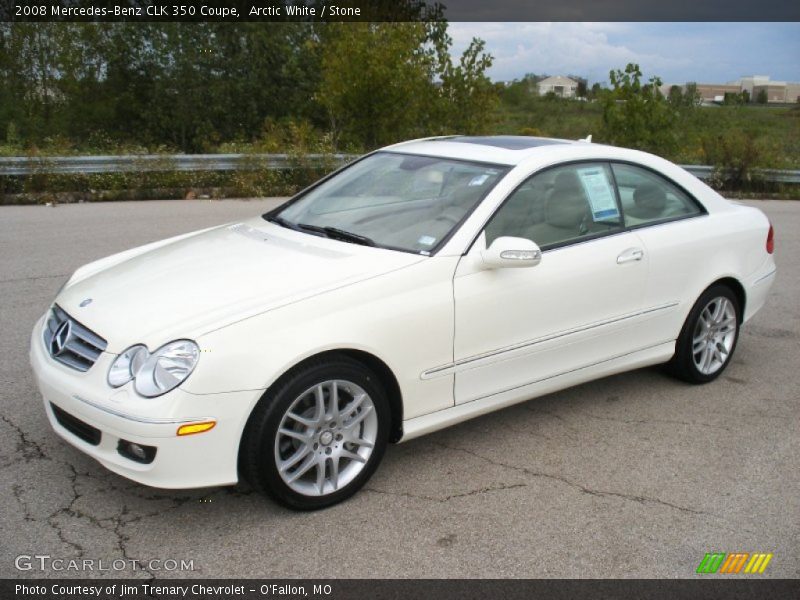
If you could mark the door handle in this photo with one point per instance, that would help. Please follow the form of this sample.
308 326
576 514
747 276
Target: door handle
630 255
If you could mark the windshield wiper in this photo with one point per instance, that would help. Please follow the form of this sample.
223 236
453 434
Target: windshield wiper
329 232
314 228
348 236
281 221
338 234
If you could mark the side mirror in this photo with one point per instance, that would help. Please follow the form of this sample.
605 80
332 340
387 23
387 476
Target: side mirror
511 252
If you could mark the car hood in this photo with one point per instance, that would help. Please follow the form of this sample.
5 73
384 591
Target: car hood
197 283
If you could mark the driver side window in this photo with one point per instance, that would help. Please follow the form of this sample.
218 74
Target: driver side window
559 206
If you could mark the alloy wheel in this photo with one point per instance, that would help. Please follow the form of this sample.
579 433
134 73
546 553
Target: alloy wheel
714 335
326 437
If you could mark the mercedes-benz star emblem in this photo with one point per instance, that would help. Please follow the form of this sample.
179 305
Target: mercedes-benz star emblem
86 302
60 338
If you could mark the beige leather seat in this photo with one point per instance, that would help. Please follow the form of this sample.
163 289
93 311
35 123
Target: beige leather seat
649 202
567 213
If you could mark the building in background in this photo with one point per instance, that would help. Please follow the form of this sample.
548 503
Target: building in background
561 86
715 92
774 91
759 88
749 82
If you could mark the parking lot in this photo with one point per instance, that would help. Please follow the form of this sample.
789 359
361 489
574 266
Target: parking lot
636 475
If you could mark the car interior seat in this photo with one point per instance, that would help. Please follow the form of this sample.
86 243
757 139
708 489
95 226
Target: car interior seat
567 213
649 202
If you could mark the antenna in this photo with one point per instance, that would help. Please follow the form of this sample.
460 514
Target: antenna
587 139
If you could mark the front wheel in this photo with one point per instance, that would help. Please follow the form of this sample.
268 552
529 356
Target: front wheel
708 338
318 437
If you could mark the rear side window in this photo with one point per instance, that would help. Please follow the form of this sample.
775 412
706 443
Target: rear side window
649 198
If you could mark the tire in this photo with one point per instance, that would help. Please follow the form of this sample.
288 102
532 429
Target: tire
708 338
306 450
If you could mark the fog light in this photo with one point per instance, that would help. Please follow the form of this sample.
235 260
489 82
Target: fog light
191 428
136 452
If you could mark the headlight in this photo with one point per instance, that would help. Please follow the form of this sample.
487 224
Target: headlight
157 373
127 365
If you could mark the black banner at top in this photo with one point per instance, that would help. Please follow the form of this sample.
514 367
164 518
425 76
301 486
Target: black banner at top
234 11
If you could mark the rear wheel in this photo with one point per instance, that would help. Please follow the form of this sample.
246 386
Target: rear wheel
318 437
708 338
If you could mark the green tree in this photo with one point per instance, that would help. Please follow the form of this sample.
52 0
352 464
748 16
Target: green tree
636 114
675 96
691 96
384 82
375 81
194 86
467 96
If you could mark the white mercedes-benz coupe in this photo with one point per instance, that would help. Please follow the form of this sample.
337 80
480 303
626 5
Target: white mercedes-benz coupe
422 285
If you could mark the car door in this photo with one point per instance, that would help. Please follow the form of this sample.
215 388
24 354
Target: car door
577 307
663 216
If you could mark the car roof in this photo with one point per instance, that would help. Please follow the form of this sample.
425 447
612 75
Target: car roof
498 149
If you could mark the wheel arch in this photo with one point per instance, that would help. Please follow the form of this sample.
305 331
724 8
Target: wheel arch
384 373
737 288
390 385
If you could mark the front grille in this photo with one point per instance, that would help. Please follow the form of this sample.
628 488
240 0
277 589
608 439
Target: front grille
90 435
71 343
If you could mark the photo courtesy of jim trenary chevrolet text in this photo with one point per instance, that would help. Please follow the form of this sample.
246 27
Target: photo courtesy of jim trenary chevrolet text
338 299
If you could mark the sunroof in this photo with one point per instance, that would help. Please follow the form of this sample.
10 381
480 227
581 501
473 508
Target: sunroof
509 142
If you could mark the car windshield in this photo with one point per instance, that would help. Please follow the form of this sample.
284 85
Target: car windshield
399 201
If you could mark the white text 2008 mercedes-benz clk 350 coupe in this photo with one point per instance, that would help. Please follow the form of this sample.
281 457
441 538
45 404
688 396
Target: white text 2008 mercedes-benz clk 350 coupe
422 285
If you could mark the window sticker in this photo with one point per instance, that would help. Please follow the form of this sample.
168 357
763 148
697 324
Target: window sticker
601 194
426 240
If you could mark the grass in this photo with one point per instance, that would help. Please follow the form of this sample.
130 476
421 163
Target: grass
774 130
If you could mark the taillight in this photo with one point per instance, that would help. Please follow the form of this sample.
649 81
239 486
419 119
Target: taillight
771 240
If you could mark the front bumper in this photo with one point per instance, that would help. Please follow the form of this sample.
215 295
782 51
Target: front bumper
199 460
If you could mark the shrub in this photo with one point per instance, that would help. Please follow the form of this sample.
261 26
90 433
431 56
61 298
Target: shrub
736 157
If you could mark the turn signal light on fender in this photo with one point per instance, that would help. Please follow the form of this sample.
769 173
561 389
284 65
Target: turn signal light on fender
192 428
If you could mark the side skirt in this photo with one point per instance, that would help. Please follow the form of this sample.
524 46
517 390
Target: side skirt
419 426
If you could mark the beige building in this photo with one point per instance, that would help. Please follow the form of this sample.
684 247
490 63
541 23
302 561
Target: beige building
715 92
777 91
563 87
749 82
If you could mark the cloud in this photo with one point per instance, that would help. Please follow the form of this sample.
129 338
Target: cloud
677 52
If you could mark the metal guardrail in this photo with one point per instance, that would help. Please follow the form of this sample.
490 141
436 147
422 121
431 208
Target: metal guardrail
23 165
768 175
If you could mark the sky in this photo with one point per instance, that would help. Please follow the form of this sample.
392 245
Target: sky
676 52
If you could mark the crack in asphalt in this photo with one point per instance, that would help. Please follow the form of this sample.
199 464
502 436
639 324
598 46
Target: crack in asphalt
27 449
114 525
660 421
758 415
564 423
69 510
36 278
482 490
16 490
575 485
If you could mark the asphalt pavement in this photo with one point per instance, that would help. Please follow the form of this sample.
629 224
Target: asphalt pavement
636 475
